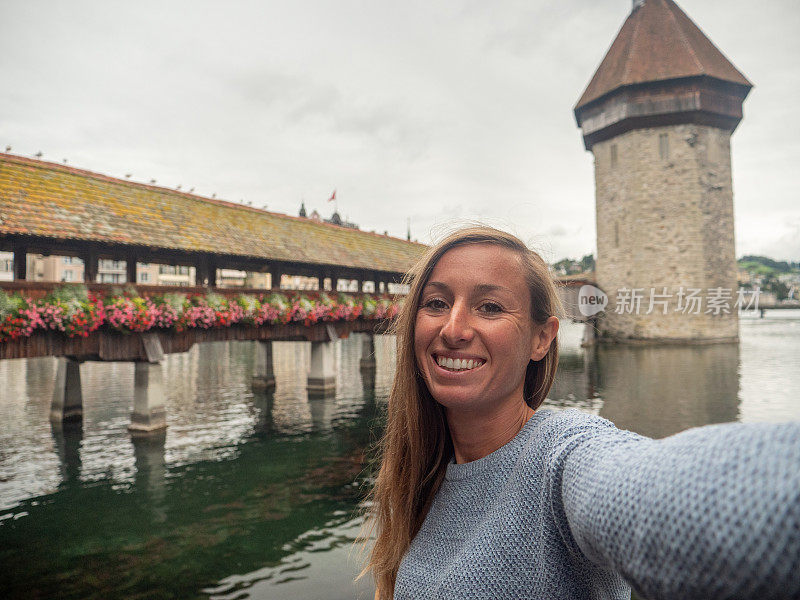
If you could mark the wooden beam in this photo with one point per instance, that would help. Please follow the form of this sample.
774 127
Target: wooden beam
20 263
200 272
130 268
212 272
90 263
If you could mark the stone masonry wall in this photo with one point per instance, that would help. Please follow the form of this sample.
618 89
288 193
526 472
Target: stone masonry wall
665 220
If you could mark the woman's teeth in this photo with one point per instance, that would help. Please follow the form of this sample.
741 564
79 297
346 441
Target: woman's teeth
458 364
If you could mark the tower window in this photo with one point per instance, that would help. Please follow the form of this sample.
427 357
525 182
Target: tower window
663 146
616 234
613 155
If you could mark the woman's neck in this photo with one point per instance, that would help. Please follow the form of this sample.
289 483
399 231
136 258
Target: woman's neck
475 437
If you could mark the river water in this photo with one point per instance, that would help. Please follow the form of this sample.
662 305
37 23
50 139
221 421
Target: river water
252 495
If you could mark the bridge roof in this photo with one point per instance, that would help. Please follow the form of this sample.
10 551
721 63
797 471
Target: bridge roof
52 201
658 42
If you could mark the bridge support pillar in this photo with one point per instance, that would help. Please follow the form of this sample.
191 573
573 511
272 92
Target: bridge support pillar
67 402
148 413
322 374
263 374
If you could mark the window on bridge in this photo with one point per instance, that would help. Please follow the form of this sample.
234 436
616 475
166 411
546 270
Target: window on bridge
53 268
399 289
299 282
347 285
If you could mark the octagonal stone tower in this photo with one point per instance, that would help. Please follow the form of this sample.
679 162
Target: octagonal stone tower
658 116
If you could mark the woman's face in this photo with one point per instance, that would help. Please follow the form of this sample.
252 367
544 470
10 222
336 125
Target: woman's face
474 334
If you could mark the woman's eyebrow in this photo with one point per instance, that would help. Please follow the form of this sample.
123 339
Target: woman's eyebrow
483 288
437 284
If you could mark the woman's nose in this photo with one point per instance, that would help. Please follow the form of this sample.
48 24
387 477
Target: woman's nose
457 329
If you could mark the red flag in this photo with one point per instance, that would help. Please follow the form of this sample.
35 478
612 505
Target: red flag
333 196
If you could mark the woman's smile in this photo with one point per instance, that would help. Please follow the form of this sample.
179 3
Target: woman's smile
458 364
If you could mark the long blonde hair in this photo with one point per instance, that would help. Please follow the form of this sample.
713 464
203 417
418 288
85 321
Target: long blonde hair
416 446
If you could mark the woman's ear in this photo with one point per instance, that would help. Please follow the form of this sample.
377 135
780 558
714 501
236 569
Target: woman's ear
543 336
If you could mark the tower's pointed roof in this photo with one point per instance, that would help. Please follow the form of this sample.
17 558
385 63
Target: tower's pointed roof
658 42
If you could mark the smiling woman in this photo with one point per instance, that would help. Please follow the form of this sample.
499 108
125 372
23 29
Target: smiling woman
481 494
474 339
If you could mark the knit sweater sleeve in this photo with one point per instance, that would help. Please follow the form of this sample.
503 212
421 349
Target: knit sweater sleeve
712 512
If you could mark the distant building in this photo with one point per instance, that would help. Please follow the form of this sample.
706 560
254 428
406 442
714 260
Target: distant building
336 219
744 277
175 275
259 281
6 266
231 278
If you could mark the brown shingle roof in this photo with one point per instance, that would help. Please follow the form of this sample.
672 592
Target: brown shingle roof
658 42
48 200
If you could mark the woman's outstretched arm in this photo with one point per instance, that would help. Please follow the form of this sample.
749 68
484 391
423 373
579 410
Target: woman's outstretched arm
712 512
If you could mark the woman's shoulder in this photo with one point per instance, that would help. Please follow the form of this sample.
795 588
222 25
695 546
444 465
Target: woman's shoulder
571 421
558 431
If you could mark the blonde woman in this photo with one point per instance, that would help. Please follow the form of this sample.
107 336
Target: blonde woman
482 495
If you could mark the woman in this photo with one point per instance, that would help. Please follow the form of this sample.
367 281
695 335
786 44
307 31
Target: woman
482 495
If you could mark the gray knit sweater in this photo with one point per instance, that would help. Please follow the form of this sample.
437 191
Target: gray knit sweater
574 508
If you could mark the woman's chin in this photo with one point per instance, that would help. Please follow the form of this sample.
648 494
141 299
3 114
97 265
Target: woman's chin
457 400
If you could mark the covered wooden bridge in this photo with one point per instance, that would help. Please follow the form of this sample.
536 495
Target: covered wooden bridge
52 209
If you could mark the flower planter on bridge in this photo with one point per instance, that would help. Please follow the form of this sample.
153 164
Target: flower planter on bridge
77 326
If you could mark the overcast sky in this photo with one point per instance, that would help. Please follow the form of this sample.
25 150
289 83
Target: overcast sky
432 111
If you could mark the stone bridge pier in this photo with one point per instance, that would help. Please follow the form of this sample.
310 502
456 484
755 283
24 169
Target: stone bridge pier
149 413
145 350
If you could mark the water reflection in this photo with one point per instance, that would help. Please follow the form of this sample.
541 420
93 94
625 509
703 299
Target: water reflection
151 472
658 391
575 385
67 439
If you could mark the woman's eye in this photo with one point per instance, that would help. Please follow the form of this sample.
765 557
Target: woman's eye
490 307
435 304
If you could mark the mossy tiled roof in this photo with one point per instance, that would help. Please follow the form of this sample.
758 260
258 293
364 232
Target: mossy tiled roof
48 200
